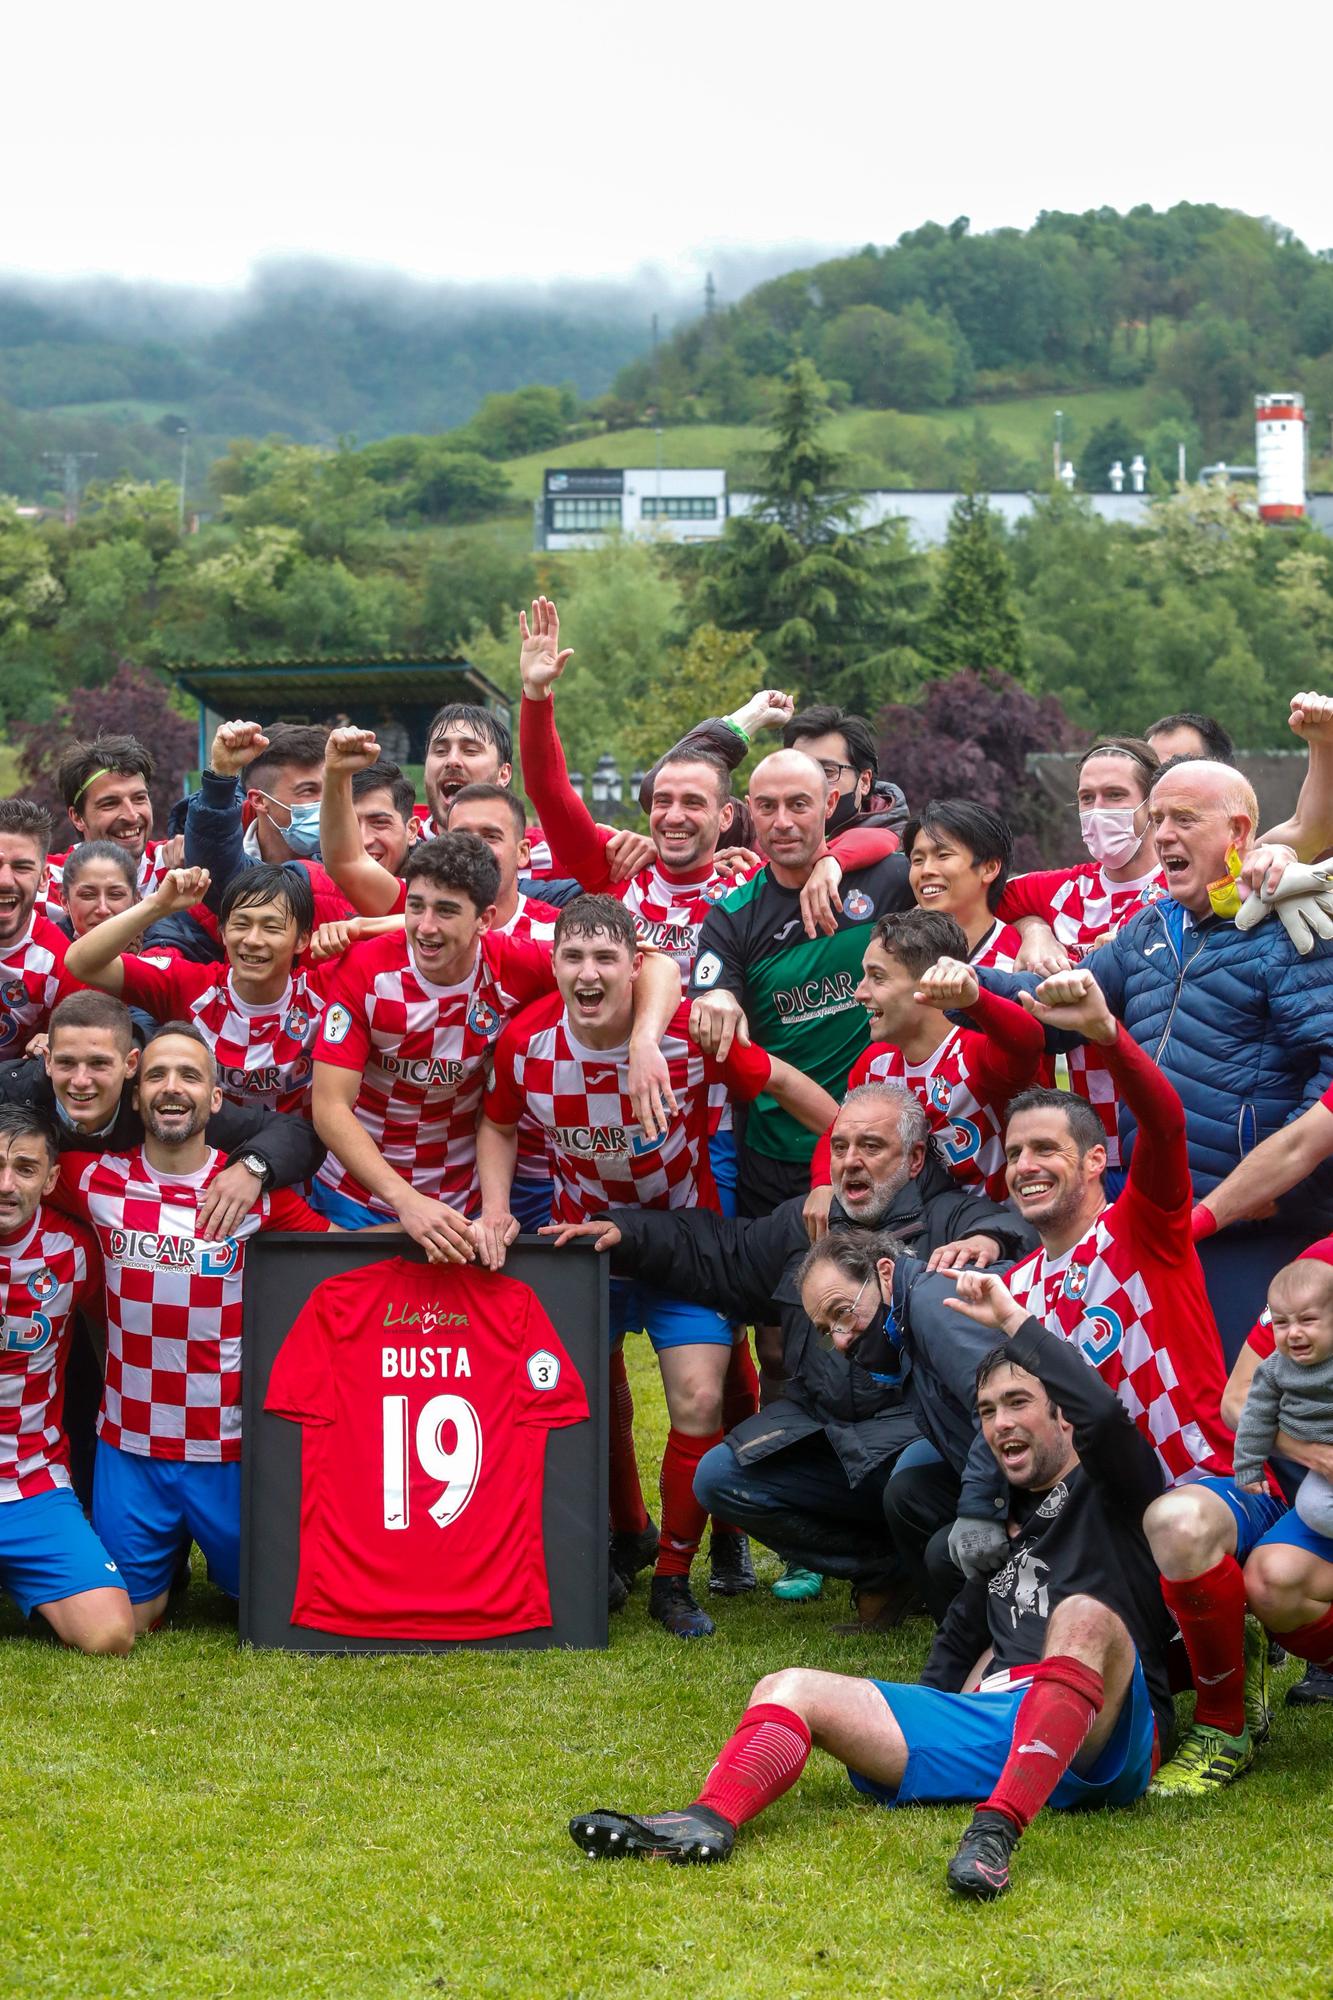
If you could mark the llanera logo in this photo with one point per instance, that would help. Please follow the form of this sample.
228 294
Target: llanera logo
430 1318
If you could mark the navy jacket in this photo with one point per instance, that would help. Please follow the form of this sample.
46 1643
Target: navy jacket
1238 1020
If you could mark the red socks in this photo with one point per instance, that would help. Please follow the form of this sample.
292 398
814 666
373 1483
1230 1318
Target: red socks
1210 1611
1311 1642
629 1516
682 1516
1063 1700
758 1764
740 1390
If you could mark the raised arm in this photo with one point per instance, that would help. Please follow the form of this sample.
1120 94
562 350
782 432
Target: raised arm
367 886
571 829
214 836
1310 828
97 958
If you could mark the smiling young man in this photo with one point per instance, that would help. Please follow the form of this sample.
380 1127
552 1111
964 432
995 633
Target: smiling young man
406 1041
169 1429
562 1068
105 784
914 969
32 950
960 855
260 1012
1062 1652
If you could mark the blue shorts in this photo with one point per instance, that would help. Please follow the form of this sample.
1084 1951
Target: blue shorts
147 1509
722 1159
340 1208
1255 1512
668 1322
1292 1530
48 1551
958 1744
530 1204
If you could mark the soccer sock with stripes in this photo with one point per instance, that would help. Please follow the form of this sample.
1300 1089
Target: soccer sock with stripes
758 1764
1210 1611
1311 1642
1063 1700
629 1516
682 1516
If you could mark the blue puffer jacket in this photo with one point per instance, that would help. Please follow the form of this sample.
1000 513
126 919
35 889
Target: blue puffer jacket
1238 1020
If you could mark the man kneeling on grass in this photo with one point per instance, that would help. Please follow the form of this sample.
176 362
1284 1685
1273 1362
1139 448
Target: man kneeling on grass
1046 1683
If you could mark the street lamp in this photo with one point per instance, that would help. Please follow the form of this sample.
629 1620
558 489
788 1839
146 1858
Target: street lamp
608 783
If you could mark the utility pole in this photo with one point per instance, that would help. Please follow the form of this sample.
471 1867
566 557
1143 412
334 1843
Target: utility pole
710 296
185 464
69 463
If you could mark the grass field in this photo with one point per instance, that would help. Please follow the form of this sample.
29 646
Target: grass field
1025 424
201 1821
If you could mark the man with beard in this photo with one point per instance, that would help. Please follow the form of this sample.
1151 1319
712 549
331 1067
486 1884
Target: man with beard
32 950
808 1474
169 1430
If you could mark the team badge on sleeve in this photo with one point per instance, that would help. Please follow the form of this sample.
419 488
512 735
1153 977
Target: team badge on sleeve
708 970
857 905
337 1025
543 1369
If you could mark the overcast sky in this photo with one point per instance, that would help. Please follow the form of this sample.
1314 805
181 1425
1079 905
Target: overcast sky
472 141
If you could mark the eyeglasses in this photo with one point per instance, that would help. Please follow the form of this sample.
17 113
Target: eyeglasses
840 1322
830 767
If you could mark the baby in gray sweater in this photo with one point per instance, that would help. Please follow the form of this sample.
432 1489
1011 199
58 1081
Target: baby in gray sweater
1292 1390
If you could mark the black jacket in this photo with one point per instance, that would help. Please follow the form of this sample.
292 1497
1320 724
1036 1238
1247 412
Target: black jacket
885 805
867 1408
286 1144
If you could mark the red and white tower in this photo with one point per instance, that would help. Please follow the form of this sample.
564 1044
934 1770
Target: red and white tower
1279 447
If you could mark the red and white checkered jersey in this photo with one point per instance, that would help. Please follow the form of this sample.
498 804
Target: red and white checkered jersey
969 1128
153 866
578 1097
47 1271
1081 906
669 911
264 1051
422 1052
998 949
31 973
173 1302
533 920
1131 1294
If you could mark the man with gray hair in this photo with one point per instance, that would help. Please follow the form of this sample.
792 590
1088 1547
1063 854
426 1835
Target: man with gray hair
807 1474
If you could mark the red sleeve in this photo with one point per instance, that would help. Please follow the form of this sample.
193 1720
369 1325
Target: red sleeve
1006 1055
284 1210
550 1390
745 1072
821 1161
863 846
570 828
524 965
1030 895
1260 1336
1159 1169
344 1032
163 984
300 1386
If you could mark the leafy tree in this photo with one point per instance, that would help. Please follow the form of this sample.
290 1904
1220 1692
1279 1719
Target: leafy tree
970 737
714 674
835 607
1110 441
133 702
973 620
909 360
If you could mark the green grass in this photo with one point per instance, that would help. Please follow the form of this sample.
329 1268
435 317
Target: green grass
1025 424
201 1821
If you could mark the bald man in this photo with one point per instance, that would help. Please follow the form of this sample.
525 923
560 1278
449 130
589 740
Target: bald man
1239 1020
757 966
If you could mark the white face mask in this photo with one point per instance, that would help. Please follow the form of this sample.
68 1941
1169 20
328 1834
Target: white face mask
1110 835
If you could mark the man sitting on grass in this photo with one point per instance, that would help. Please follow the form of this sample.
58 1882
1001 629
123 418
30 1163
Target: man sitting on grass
1046 1683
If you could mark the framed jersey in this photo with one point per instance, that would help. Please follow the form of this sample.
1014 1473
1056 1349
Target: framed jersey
425 1463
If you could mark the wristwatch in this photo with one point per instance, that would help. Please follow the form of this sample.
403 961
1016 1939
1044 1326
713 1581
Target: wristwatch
261 1169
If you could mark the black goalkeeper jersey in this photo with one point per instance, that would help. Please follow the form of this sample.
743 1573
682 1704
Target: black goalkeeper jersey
798 993
1084 1537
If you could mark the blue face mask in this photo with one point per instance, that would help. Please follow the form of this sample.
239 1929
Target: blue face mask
302 834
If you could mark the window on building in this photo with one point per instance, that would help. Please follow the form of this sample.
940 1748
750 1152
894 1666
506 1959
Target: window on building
574 517
680 507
